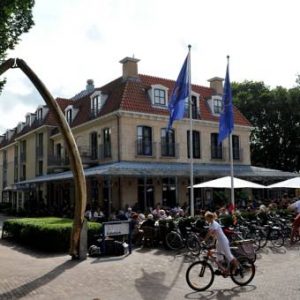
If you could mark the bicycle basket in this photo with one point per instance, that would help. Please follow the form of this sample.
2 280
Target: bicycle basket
244 248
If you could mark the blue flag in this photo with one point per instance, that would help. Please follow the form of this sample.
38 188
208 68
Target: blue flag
226 122
180 94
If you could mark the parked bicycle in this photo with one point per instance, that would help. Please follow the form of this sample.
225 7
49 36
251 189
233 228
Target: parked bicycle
185 238
272 233
200 275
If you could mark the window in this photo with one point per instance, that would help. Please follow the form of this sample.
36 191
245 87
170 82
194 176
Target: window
144 140
95 105
69 116
169 192
40 168
235 147
94 145
23 176
194 108
40 114
218 106
106 142
159 97
216 149
145 193
167 142
196 144
28 120
58 151
39 144
16 163
23 151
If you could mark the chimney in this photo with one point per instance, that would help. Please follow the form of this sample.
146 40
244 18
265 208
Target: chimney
130 67
216 83
90 85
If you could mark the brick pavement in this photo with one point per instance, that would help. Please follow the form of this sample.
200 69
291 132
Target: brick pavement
145 274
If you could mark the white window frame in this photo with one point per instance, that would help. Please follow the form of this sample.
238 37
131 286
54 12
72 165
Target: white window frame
211 103
74 112
39 114
152 95
96 105
69 115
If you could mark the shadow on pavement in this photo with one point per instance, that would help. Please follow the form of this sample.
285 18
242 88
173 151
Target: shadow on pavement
27 288
22 249
151 285
222 294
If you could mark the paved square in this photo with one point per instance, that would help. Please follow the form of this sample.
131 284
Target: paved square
146 274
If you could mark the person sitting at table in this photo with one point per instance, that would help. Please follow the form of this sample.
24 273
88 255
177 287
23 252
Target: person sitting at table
149 222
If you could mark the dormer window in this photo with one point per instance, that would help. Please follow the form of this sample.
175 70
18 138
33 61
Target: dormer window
96 104
195 106
27 119
97 101
39 114
69 115
217 105
159 95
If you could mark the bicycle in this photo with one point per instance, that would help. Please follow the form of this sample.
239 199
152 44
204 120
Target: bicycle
176 240
271 233
200 275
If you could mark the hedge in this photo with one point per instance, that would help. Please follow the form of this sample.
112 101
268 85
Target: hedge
49 234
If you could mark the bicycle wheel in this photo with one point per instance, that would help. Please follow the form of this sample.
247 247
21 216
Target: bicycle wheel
277 238
262 236
199 275
255 237
174 240
193 244
244 273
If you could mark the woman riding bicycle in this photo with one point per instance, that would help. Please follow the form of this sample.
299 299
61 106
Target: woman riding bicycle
222 244
296 224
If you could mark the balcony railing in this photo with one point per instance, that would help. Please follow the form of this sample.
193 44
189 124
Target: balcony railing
195 113
22 157
39 152
58 161
218 152
105 151
5 164
169 150
145 148
237 154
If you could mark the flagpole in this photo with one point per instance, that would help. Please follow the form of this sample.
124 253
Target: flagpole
231 160
191 137
231 170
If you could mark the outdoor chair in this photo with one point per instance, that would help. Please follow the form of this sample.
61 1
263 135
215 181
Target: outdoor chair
148 236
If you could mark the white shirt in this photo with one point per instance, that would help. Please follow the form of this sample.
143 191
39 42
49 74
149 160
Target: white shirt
296 206
218 231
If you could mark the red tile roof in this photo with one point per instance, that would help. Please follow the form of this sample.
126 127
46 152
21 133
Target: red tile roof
130 95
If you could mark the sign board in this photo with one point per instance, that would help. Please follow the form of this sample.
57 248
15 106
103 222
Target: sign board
116 228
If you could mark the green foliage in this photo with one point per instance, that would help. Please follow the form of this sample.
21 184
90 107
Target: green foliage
48 234
275 116
15 18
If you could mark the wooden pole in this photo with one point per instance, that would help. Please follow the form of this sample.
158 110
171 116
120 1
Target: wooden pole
75 160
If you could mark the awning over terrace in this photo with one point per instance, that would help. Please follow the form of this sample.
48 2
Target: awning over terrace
148 169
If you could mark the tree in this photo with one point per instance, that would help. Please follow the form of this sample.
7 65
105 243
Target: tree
275 117
15 18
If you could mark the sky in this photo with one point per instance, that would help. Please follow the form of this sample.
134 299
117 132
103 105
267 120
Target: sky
76 40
